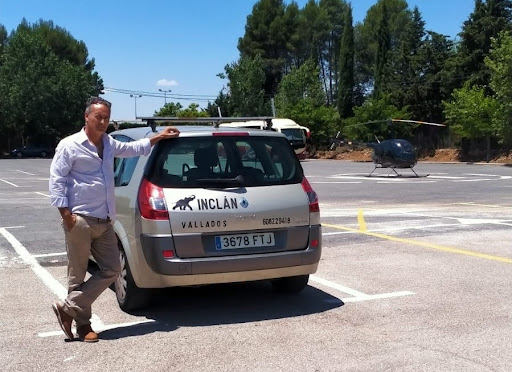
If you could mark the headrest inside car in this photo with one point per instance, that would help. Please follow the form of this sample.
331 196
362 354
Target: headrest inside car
205 157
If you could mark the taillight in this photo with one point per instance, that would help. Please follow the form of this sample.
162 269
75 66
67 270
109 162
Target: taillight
152 201
312 196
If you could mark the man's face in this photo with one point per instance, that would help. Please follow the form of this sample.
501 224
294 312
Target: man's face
98 118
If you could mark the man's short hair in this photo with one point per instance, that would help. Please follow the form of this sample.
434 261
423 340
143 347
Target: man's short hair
94 101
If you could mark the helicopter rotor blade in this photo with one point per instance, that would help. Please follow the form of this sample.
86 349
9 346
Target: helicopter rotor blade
368 122
418 122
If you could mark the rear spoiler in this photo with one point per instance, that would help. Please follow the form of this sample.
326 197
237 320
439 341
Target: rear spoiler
216 121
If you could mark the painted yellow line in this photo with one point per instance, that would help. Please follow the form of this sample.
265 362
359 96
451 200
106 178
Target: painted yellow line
422 244
361 221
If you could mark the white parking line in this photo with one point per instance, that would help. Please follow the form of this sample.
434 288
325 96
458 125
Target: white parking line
30 174
49 255
9 183
43 274
377 296
336 182
357 296
40 193
477 180
99 328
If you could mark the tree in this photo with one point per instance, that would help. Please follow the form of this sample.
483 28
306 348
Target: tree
192 111
43 97
346 69
334 11
383 52
296 47
301 98
430 87
406 65
375 109
266 36
485 22
499 63
472 114
3 38
222 103
170 109
65 47
247 87
367 35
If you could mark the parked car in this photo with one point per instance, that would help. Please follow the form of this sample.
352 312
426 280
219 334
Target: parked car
215 205
41 151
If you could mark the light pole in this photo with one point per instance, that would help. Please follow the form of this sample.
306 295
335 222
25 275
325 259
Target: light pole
135 96
165 94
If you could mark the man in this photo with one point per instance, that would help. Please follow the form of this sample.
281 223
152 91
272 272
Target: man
82 188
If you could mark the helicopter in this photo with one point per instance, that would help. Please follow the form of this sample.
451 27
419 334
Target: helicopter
395 153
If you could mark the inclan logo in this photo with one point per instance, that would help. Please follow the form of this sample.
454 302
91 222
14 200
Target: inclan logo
244 203
184 203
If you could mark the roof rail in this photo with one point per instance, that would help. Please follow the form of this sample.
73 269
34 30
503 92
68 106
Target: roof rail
117 122
151 120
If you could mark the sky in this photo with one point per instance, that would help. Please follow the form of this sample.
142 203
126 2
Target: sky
173 50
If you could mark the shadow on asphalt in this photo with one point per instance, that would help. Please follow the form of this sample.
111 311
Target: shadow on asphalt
223 304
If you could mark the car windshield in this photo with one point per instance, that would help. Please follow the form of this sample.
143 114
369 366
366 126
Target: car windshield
224 161
294 135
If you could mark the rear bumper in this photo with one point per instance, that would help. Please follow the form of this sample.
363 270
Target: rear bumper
153 245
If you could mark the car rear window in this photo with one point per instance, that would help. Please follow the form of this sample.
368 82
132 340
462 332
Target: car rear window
224 161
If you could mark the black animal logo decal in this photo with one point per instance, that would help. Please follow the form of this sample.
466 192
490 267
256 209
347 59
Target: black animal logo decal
183 203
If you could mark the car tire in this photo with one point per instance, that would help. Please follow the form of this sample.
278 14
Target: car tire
129 296
291 284
44 154
19 155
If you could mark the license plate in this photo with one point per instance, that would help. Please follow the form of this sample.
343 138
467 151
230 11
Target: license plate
244 241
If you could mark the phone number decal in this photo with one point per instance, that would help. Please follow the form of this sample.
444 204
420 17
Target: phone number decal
276 221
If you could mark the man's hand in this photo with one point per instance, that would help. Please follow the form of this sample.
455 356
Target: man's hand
68 218
166 133
70 221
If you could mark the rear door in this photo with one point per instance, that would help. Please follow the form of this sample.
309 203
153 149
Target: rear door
230 195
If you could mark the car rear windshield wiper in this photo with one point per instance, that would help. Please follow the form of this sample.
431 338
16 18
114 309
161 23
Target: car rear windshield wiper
221 182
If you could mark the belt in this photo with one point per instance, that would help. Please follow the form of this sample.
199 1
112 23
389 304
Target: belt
95 219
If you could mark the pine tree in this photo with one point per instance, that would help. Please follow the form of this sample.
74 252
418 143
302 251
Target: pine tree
346 69
485 22
383 49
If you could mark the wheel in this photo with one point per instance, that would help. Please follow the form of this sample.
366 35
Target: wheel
43 154
19 155
291 284
129 296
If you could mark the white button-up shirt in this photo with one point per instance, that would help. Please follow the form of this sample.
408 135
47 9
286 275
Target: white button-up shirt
83 182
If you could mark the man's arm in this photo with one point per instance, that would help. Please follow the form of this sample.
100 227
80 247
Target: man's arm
143 146
59 170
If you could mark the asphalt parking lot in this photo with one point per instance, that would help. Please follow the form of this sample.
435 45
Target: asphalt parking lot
415 276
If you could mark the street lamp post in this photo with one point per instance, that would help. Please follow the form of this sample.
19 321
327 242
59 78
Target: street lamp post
165 94
135 96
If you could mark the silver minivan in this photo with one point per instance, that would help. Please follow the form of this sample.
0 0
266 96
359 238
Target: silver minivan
215 205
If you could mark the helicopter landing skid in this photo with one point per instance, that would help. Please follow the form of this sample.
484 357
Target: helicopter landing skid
393 170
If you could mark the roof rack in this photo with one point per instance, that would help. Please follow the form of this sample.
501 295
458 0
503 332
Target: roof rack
151 120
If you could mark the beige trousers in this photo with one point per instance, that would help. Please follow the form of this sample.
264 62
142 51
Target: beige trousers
96 237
